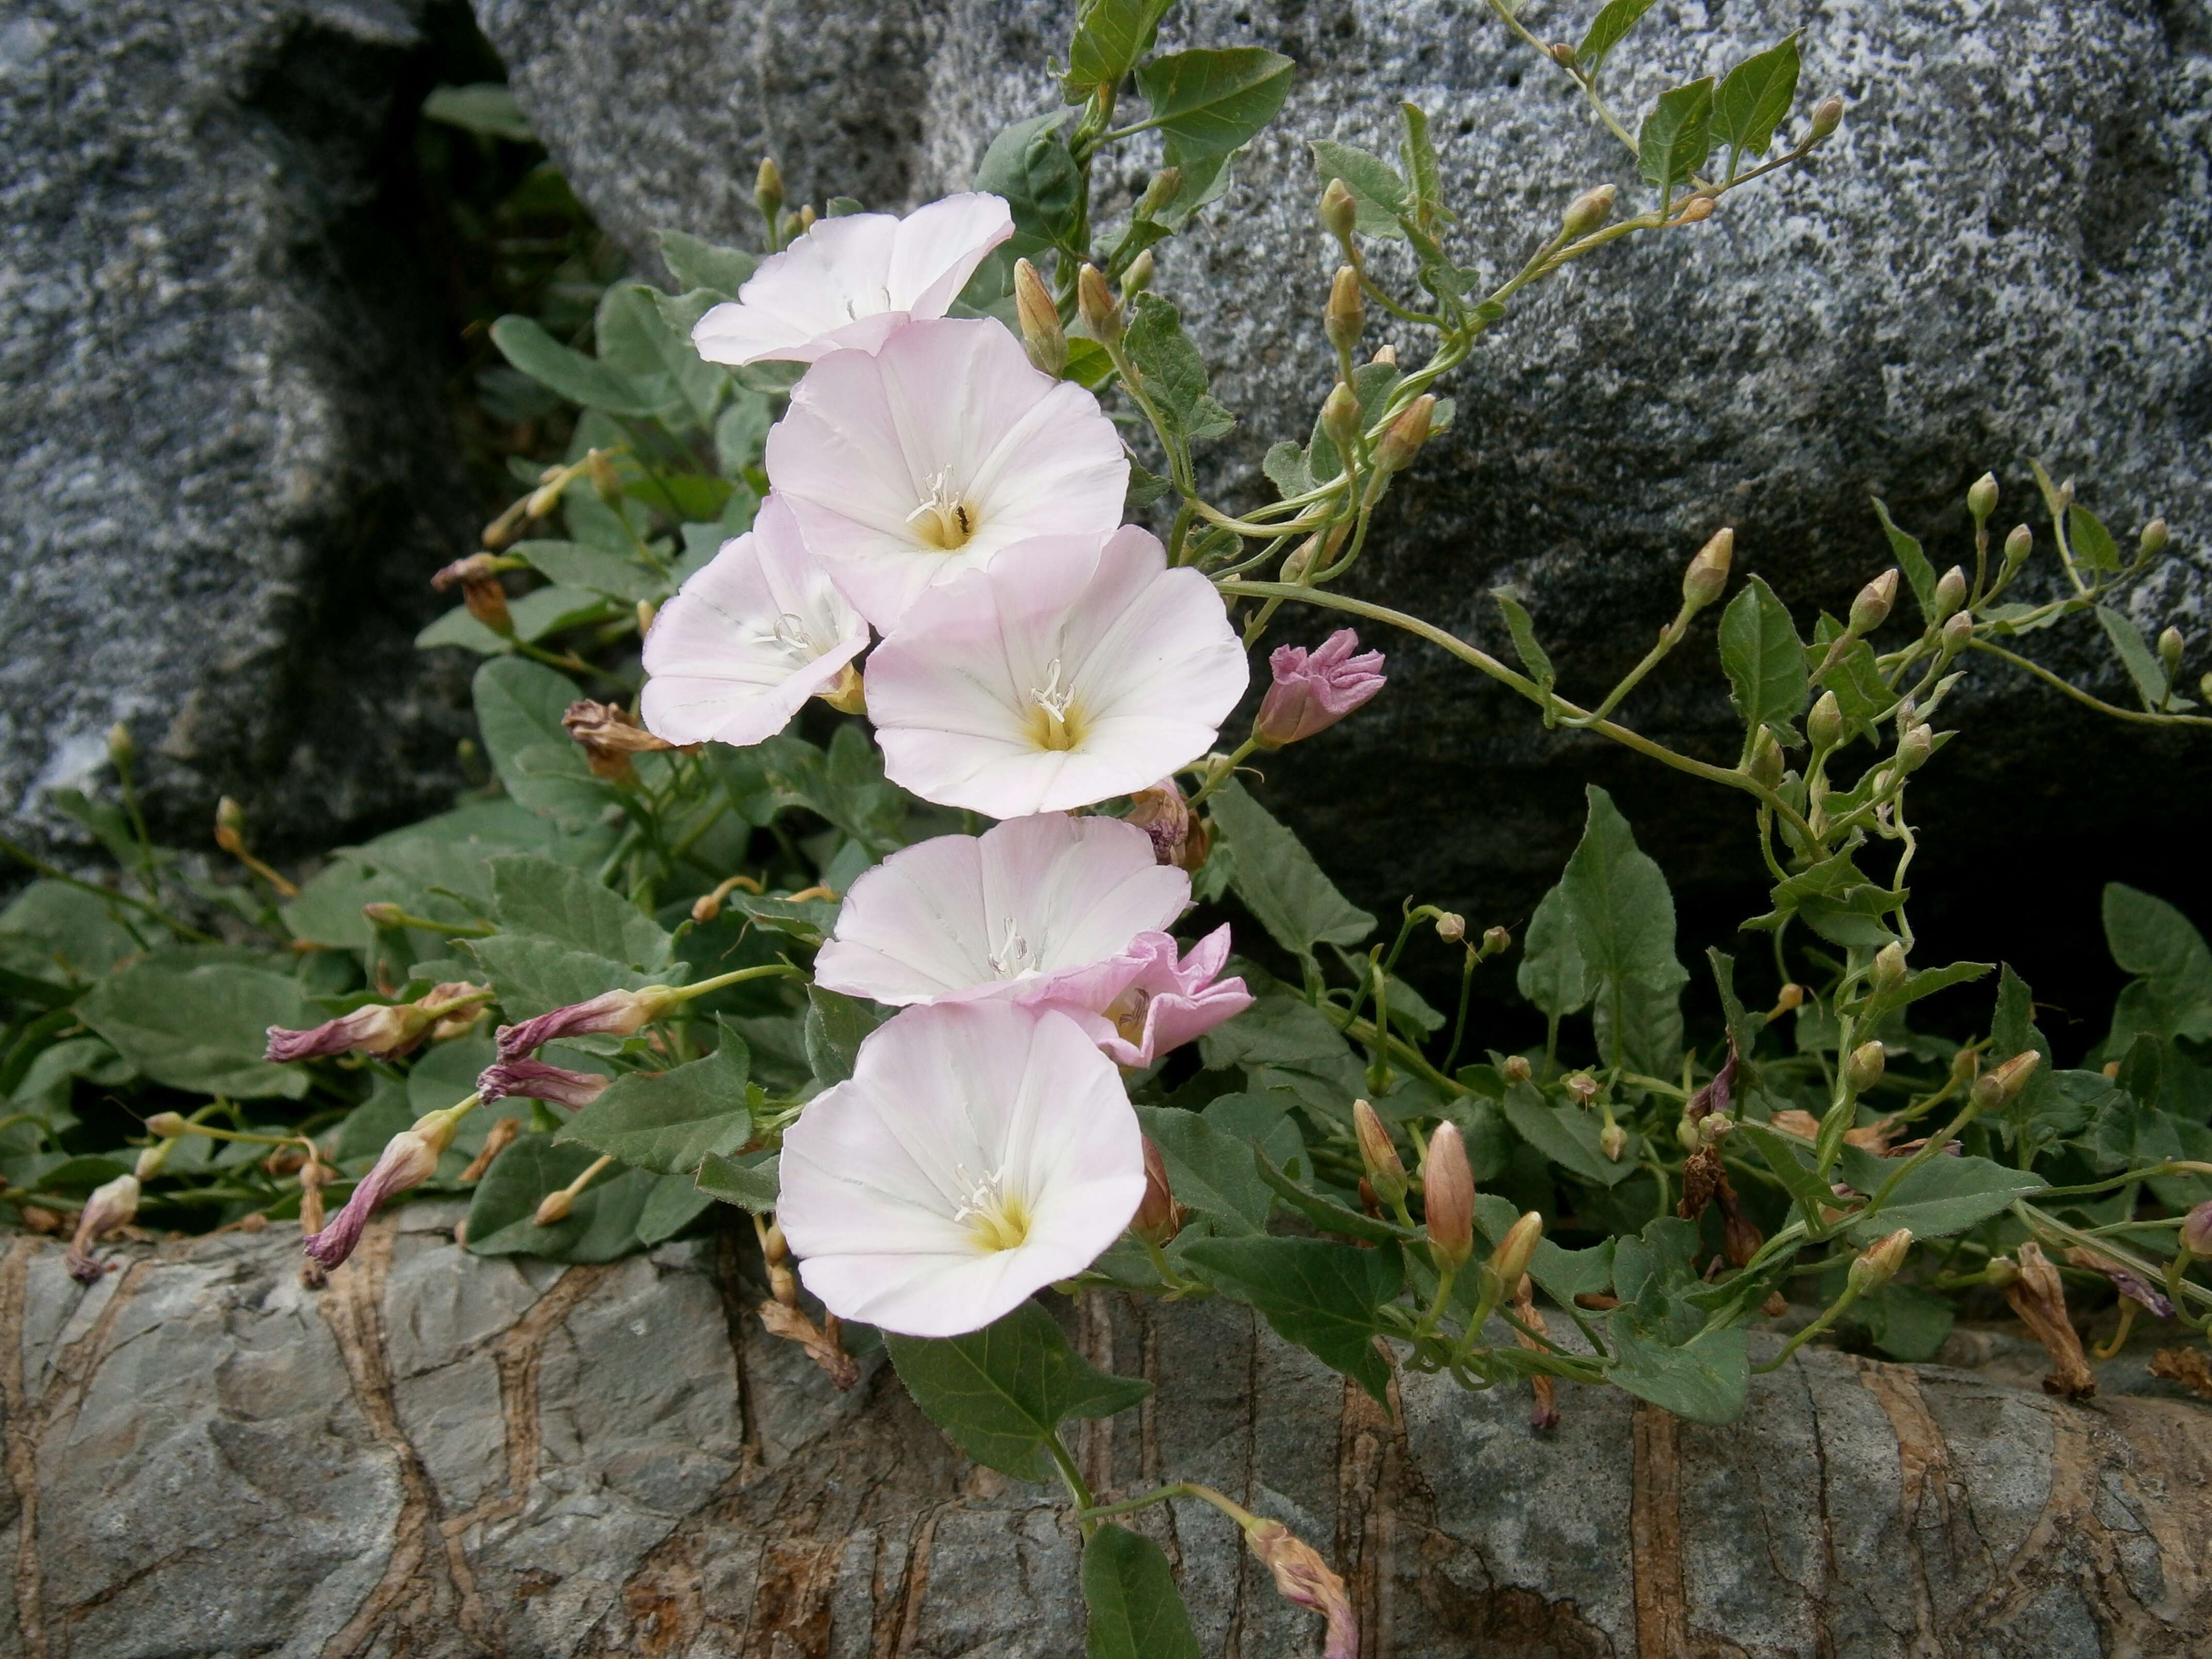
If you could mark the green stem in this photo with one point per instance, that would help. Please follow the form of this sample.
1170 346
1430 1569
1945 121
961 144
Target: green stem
53 873
2079 695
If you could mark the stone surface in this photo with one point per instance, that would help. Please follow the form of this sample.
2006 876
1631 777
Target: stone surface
224 469
2004 255
445 1456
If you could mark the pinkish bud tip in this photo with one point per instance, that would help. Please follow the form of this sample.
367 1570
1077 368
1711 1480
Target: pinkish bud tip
526 1079
381 1029
1314 690
409 1160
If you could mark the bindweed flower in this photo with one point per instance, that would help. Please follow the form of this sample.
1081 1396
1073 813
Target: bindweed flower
978 1152
2037 1295
111 1207
851 281
523 1078
609 737
2125 1280
1162 812
611 1013
409 1159
1447 1198
2197 1230
753 634
381 1029
1305 1580
1068 672
936 454
1314 690
1037 909
1169 1003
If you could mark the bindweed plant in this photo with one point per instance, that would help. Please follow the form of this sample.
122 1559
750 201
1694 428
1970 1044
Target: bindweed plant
856 749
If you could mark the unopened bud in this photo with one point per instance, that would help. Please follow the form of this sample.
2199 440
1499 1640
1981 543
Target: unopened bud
384 913
1338 212
1982 496
1096 305
2204 685
122 750
1613 1141
1496 941
1958 633
1405 437
229 825
1562 54
1790 999
2064 495
2018 545
2197 1230
1043 337
1510 1259
2152 542
1714 1127
1828 116
2002 1273
168 1125
1765 764
1340 419
1516 1068
1964 1066
1708 573
1166 186
1995 1089
1825 724
1588 212
2169 653
1878 1265
1346 320
1863 1070
1447 1198
1871 609
1386 1172
1688 1135
1914 747
1950 593
1159 1217
768 190
606 481
1888 971
1582 1086
554 1208
1695 211
1139 276
1385 355
1451 929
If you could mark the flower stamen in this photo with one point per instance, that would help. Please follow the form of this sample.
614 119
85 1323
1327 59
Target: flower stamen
1013 958
946 522
1056 729
997 1219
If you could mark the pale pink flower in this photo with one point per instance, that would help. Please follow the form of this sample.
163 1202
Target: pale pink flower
1068 672
1314 690
931 456
850 281
981 1151
1037 908
525 1078
1168 1003
753 634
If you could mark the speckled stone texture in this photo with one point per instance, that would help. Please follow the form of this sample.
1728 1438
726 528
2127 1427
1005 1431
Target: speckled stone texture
224 471
2004 254
445 1457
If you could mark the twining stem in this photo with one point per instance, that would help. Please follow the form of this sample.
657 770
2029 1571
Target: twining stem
2079 695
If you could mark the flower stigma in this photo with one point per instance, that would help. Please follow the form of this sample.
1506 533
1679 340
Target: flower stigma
945 521
997 1219
1013 958
1057 726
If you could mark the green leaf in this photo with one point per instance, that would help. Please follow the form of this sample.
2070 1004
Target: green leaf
696 264
1419 153
1919 574
1765 662
76 935
653 352
580 379
1525 643
1001 1393
1321 1295
673 1203
533 894
1946 1195
1209 1171
1029 165
1210 101
601 1226
1552 974
1791 1163
536 975
1755 96
2136 655
1567 1136
668 1122
193 1019
1607 30
1915 985
1136 1612
1286 469
519 708
1562 1274
1677 136
751 1186
1905 1324
1111 37
1280 882
2090 541
2173 995
1625 930
485 107
572 564
1706 1380
837 1026
1173 371
1379 195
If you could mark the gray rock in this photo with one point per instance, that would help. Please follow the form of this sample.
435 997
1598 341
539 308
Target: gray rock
445 1455
2004 255
224 470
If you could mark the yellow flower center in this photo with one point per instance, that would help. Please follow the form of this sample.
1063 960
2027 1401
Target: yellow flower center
1056 723
997 1219
945 520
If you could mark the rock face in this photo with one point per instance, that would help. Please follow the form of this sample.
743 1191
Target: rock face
224 471
2002 256
445 1457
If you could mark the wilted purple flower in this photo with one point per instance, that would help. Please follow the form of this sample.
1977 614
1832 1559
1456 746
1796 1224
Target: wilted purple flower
526 1079
409 1159
2127 1283
1305 1580
110 1207
611 1013
2197 1230
1315 690
1170 1003
385 1031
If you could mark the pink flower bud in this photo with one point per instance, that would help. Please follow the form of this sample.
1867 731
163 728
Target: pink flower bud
110 1207
2197 1230
524 1077
611 1013
1315 690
